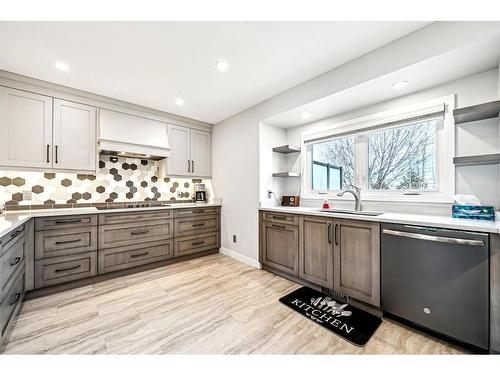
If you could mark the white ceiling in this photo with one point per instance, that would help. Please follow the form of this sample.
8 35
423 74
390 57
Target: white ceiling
151 63
473 58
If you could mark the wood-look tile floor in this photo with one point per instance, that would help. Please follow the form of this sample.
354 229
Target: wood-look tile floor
212 305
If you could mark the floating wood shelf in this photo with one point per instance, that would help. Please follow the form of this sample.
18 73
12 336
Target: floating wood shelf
286 149
477 112
286 174
477 160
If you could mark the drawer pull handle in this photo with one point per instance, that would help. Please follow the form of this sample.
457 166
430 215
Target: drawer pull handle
279 217
70 221
140 232
336 236
69 241
139 255
278 226
15 234
15 261
198 211
197 243
198 225
16 298
67 268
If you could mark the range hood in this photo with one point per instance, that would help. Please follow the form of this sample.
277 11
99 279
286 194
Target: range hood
132 136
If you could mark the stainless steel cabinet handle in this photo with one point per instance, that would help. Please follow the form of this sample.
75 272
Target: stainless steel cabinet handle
48 152
329 232
15 261
426 237
279 217
67 269
69 241
139 255
140 232
16 298
278 226
336 235
192 166
197 243
56 154
189 166
70 221
198 225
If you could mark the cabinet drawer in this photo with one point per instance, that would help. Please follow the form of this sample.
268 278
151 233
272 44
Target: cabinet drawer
127 217
59 270
10 304
62 222
53 243
197 211
136 255
194 225
279 217
196 243
10 262
128 234
10 238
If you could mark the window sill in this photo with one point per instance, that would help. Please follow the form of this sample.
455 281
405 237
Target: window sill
438 198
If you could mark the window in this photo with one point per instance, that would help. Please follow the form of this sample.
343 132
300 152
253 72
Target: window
333 164
403 157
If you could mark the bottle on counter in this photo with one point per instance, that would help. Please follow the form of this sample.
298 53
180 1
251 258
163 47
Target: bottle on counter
325 203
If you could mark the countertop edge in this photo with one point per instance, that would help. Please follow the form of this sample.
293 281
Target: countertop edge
411 219
10 220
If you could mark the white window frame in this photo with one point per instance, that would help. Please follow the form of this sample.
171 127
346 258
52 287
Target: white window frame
445 147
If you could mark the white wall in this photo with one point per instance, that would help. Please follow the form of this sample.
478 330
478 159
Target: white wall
236 139
269 161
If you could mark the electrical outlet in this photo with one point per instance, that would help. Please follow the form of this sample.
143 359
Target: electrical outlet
269 194
234 238
27 195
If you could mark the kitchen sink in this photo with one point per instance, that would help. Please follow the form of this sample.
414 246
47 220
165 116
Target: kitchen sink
350 212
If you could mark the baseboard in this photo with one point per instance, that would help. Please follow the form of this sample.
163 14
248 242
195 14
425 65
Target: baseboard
240 258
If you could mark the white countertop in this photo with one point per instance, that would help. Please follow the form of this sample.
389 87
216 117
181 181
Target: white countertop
9 220
412 219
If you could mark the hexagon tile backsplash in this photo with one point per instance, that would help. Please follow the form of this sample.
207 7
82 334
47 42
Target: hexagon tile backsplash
116 181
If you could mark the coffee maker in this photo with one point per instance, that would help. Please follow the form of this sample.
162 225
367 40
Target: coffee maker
200 193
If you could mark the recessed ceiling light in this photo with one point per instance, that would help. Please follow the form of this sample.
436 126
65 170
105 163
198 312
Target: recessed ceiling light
179 101
222 66
400 85
61 65
305 116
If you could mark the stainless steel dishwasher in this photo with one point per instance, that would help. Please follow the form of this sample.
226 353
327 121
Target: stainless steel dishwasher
438 279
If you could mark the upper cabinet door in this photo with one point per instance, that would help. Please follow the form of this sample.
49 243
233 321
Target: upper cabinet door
179 161
74 145
201 153
25 129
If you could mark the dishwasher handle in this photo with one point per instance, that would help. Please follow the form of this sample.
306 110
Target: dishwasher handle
426 237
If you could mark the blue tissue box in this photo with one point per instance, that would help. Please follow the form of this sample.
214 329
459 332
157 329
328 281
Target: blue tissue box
460 211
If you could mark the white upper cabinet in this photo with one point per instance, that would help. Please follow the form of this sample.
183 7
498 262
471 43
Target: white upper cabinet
190 152
201 153
25 129
74 140
41 132
179 161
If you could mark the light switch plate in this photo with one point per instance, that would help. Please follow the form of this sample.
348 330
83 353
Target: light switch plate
27 195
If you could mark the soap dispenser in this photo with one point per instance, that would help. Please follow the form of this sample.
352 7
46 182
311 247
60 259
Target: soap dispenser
326 205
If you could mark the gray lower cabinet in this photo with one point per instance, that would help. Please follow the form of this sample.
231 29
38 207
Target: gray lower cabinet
316 250
134 255
10 303
279 246
187 226
196 243
114 235
357 259
338 254
65 249
495 293
58 270
12 271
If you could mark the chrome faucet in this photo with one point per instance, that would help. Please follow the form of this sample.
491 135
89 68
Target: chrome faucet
357 196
